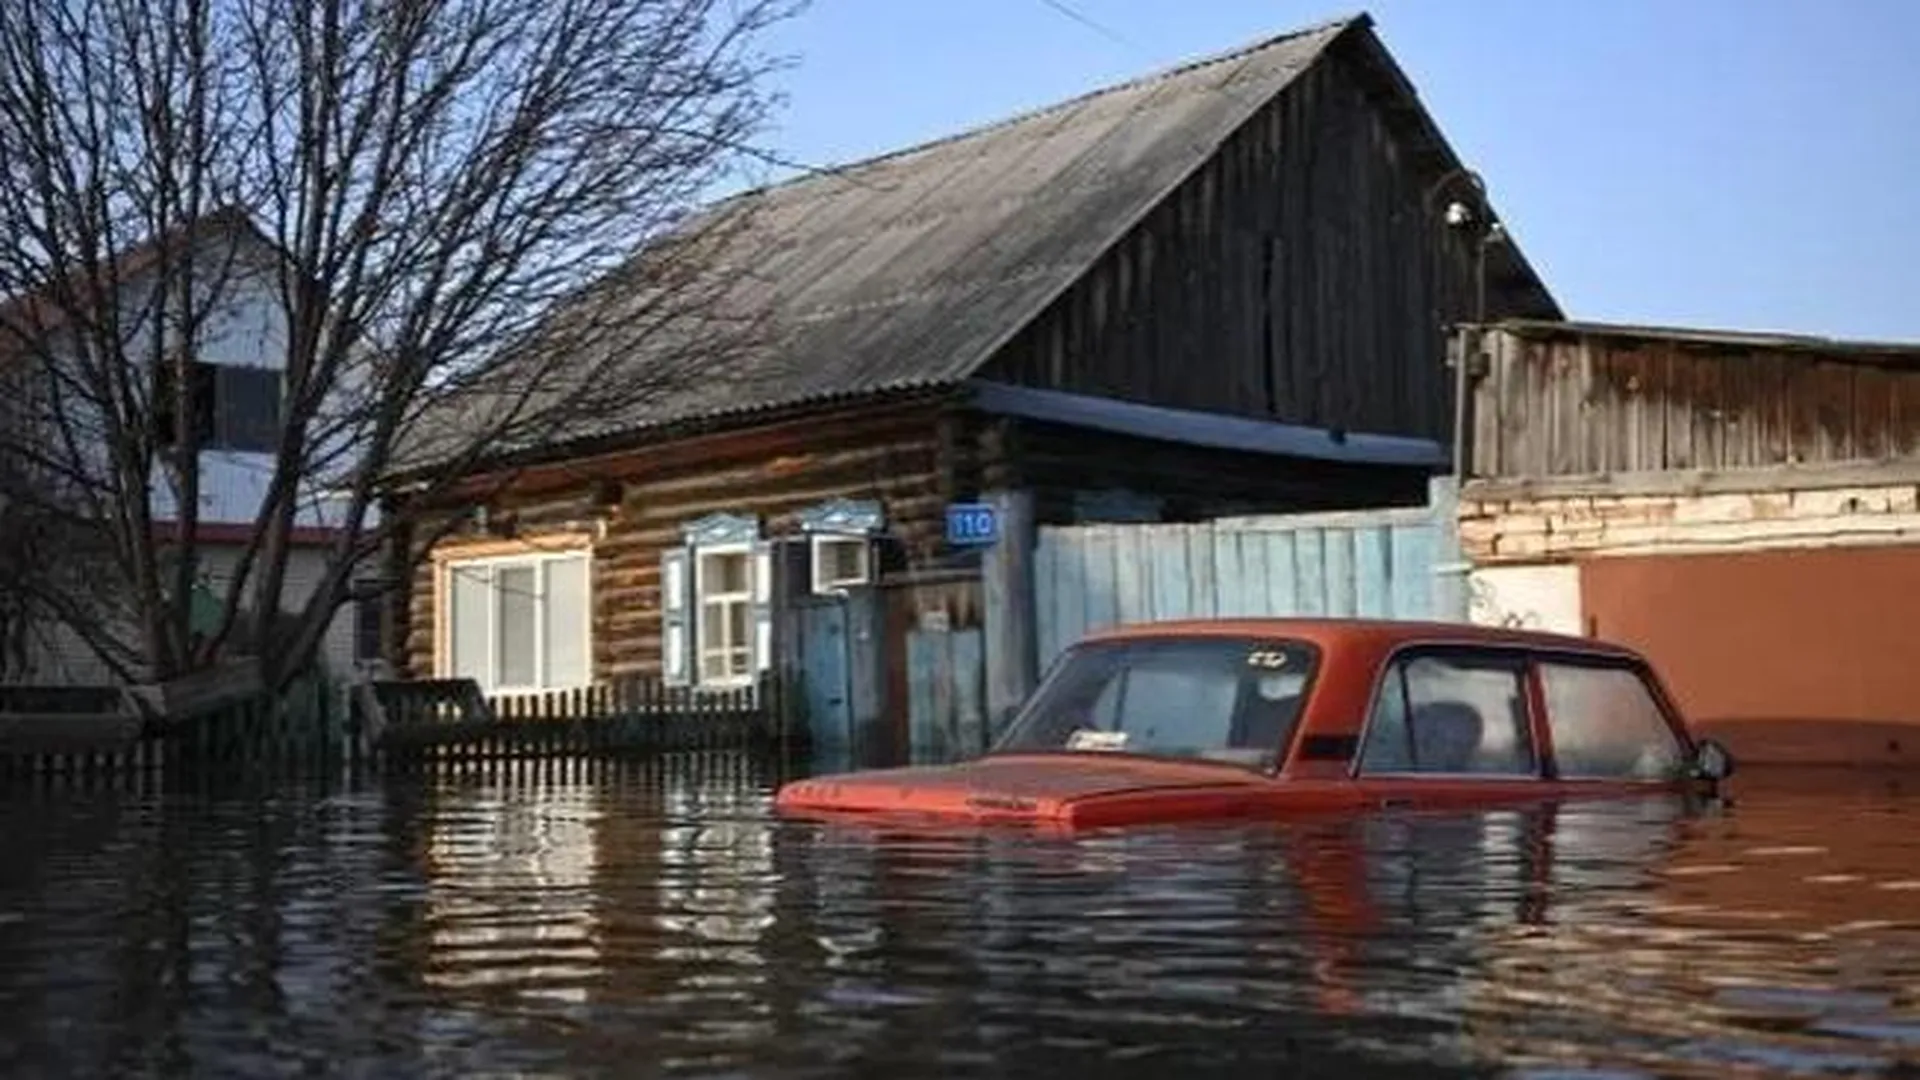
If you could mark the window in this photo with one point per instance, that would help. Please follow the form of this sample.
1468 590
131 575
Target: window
725 594
233 407
519 623
1225 699
366 628
1450 712
715 604
1606 723
840 561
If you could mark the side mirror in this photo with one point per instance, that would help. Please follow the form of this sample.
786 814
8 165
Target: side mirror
1711 761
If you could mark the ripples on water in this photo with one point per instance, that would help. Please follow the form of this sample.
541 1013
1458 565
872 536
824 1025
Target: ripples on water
633 922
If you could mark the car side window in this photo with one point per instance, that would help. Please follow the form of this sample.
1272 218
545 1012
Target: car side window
1606 723
1450 713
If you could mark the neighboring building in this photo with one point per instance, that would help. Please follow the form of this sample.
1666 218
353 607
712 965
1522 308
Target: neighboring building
1220 289
1741 506
237 395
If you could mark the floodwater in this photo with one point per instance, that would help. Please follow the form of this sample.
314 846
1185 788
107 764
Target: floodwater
636 922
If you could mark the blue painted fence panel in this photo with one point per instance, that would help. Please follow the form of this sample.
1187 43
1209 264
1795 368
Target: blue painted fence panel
1375 564
946 695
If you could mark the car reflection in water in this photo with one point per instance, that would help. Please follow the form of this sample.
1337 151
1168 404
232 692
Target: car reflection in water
1665 933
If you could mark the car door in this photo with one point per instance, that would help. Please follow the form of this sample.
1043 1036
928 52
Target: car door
1449 724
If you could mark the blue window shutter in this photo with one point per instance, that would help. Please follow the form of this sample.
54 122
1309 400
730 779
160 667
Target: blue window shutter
676 617
762 610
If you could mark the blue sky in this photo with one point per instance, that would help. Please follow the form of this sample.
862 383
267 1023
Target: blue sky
1746 164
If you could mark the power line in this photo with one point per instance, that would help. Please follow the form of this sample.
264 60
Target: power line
1076 15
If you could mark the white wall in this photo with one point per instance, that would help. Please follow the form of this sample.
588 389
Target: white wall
62 656
1545 597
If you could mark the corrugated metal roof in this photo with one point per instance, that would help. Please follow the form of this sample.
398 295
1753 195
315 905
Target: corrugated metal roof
909 269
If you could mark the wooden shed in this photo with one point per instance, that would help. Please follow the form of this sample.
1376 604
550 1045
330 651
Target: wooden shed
1218 289
1745 507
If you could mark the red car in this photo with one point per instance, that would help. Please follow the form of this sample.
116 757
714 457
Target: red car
1226 718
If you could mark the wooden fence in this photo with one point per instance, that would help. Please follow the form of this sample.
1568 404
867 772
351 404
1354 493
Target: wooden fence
427 721
63 734
1378 563
80 734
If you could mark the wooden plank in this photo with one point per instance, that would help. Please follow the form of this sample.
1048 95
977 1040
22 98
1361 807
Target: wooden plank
1872 413
1101 603
1676 410
1167 550
971 734
1010 594
1709 412
1411 559
1372 572
1339 555
1254 572
1483 458
1696 482
1047 586
1283 575
1904 416
1229 585
929 696
1590 438
1202 575
1132 570
1770 413
1311 571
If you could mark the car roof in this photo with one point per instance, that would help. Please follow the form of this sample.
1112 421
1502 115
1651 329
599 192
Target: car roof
1335 632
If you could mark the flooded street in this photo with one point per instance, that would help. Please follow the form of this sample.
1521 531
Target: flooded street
627 921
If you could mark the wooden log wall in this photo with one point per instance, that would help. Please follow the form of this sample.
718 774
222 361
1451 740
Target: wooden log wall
1570 405
889 454
1297 276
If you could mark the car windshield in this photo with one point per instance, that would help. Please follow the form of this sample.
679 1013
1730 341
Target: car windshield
1226 699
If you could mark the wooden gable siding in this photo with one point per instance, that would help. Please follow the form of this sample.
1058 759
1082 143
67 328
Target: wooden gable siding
1571 405
892 455
1296 276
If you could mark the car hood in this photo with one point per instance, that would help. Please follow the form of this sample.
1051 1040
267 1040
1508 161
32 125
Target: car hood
1013 787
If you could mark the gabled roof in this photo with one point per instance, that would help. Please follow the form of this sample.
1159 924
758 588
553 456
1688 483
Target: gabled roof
910 270
39 313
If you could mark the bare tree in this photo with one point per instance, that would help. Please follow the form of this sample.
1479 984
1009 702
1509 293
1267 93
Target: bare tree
441 201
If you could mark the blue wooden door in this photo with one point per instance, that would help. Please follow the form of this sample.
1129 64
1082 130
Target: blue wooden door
826 667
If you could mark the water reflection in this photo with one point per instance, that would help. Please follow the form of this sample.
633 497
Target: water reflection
510 873
638 922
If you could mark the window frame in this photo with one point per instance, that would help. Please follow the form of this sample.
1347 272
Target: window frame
1519 657
1639 669
818 542
746 598
1273 766
539 560
215 424
1539 726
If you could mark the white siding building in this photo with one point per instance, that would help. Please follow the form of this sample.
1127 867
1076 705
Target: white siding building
237 379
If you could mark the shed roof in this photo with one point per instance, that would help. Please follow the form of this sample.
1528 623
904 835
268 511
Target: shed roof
911 269
1730 341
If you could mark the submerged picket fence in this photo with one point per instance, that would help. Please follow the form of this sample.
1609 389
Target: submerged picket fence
81 734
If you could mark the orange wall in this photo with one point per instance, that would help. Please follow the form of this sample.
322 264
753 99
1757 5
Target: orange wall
1801 655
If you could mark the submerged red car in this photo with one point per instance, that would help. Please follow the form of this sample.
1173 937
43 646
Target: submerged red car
1267 717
